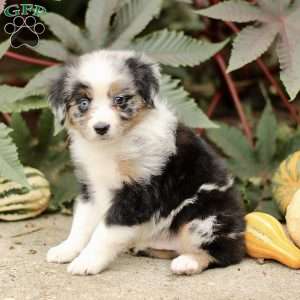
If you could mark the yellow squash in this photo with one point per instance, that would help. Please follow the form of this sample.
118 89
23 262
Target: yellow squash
286 192
266 238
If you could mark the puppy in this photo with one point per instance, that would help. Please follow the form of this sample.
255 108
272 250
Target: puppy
148 183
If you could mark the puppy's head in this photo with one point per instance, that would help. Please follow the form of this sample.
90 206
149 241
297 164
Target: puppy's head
104 94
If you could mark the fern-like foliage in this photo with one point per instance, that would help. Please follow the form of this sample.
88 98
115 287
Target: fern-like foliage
10 166
277 20
254 167
175 49
130 18
183 104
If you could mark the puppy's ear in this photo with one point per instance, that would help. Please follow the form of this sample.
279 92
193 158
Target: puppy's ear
57 97
146 77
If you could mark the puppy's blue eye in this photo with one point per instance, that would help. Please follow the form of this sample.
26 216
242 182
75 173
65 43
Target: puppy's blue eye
84 105
119 100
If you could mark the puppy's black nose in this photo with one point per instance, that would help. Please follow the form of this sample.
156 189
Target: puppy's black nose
101 128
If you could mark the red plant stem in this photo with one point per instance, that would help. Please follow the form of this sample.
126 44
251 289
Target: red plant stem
236 99
7 118
30 60
213 105
264 68
269 76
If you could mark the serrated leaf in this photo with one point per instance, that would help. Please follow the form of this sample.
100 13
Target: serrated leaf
52 49
21 136
132 18
69 34
4 46
9 94
250 44
288 49
23 105
97 19
234 145
234 11
175 49
10 166
266 136
42 80
184 106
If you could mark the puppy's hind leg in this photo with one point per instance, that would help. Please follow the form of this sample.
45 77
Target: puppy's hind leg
86 218
216 241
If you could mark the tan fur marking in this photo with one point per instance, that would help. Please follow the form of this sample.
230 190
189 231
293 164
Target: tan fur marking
127 170
187 247
142 112
118 87
162 254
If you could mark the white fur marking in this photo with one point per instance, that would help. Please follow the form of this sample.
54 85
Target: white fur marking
166 222
85 220
105 244
185 265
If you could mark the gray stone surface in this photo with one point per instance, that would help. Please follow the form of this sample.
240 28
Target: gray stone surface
24 273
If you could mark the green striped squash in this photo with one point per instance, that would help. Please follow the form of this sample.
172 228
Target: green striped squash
18 203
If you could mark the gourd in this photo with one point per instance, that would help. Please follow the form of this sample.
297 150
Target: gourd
286 192
266 238
17 202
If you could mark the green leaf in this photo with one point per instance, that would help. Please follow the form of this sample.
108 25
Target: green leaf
65 190
271 208
175 49
289 58
4 46
10 166
266 134
184 106
234 11
45 130
26 104
243 51
132 18
233 144
38 85
67 32
9 94
42 80
21 136
97 20
52 49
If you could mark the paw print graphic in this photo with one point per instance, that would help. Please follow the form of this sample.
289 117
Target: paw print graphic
24 31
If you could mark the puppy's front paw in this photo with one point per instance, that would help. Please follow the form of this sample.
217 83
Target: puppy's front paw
185 265
63 253
88 264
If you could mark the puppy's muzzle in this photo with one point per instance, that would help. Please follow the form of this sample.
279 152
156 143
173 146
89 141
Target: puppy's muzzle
101 128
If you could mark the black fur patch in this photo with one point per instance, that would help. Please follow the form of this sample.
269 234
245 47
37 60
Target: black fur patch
57 96
144 78
84 192
193 165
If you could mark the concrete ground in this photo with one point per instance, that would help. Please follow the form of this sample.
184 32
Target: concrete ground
24 273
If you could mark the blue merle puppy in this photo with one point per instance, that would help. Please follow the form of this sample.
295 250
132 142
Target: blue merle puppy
148 182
